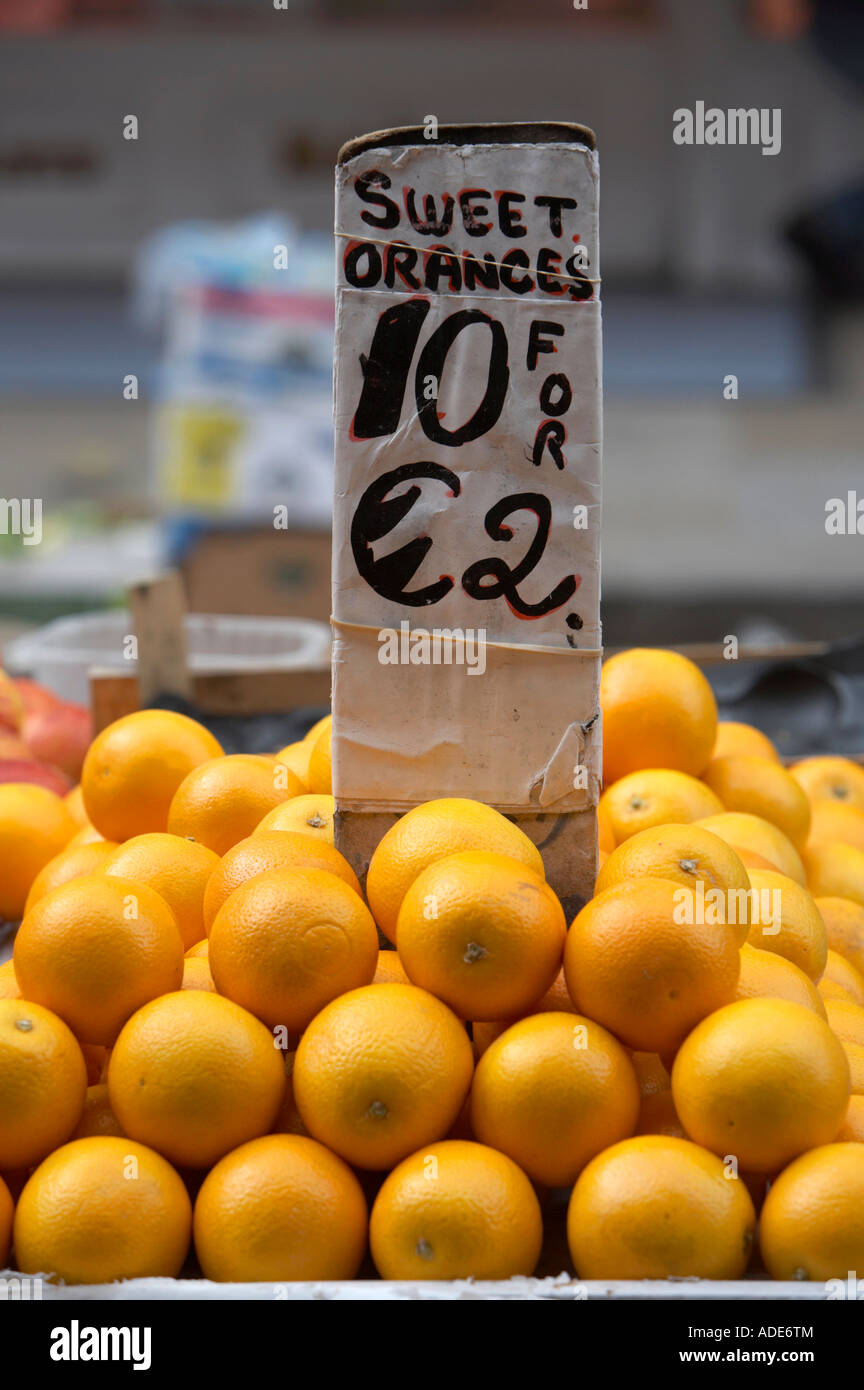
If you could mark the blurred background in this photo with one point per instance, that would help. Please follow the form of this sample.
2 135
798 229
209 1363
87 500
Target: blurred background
160 379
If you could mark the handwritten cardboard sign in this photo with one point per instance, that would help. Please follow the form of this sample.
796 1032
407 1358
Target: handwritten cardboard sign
466 518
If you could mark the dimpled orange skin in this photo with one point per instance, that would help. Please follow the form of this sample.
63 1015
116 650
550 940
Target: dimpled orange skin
380 1072
855 1058
799 934
765 975
134 767
320 774
194 1075
832 779
742 740
280 1208
35 825
846 1019
649 979
688 855
95 950
844 924
753 833
656 796
555 1000
551 1092
761 787
852 1129
658 711
43 1083
840 971
287 942
812 1223
102 1209
69 864
196 975
277 849
178 870
456 1210
657 1115
390 970
834 820
8 983
222 801
430 832
296 756
7 1211
304 815
659 1207
763 1079
483 933
835 870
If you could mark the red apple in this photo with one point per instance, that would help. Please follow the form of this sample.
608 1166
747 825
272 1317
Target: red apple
11 705
60 736
35 697
19 770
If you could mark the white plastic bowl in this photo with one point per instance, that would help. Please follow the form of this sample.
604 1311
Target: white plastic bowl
62 654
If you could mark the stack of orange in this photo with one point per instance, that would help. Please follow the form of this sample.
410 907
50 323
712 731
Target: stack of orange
198 990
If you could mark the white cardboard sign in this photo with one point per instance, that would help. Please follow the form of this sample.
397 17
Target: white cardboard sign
467 495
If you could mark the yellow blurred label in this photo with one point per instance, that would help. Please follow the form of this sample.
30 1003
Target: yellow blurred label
200 463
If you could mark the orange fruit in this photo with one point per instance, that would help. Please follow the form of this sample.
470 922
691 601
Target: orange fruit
277 849
744 831
178 870
634 963
555 1000
846 1020
102 1209
657 1115
760 787
7 1212
320 775
87 835
852 1129
305 815
689 855
836 820
767 975
98 1117
390 970
287 942
433 831
812 1223
763 1080
651 1073
839 970
194 1075
380 1072
844 924
200 951
855 1058
280 1208
658 711
95 950
736 740
554 1090
831 778
68 864
296 757
835 870
35 826
751 860
656 796
325 722
659 1207
223 800
134 767
785 919
8 981
96 1060
481 932
827 989
456 1210
75 806
196 975
43 1082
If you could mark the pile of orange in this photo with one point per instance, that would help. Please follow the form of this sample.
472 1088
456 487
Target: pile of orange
199 999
